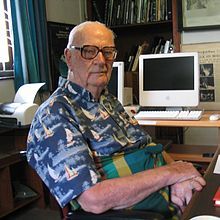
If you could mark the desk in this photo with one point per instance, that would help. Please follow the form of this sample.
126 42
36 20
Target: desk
194 155
201 202
203 122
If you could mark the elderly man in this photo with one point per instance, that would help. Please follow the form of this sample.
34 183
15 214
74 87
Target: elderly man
89 152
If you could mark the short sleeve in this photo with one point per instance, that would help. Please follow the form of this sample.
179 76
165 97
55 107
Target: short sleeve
58 152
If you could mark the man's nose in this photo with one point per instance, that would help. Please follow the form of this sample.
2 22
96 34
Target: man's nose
100 56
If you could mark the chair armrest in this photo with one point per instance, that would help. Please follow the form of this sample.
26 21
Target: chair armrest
114 215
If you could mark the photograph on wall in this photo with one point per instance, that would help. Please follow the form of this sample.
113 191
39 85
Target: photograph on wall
207 87
58 34
200 14
209 67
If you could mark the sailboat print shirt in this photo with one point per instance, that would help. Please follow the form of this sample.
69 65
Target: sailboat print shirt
69 130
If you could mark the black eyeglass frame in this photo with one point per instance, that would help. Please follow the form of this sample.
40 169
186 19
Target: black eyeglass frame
98 50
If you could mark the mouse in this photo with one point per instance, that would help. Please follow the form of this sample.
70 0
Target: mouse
214 117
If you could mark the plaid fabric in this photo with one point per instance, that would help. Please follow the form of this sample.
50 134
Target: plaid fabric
128 163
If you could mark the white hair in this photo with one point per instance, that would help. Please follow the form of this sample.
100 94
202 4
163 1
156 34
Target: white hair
77 30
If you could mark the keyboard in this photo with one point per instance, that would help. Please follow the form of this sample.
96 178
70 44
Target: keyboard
169 115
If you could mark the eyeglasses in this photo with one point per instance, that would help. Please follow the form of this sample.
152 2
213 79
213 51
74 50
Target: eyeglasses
90 52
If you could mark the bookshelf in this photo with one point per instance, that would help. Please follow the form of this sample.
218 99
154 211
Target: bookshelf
135 33
131 35
14 169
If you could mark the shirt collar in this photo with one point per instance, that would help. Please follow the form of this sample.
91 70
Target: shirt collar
74 89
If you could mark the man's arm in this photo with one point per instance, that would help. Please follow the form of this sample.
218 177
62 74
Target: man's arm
181 192
124 192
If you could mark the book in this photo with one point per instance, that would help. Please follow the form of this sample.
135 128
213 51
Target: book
167 46
127 10
121 13
169 10
142 49
158 10
129 59
144 11
131 17
157 48
153 11
97 14
157 42
106 12
110 9
138 5
114 13
162 10
148 11
216 198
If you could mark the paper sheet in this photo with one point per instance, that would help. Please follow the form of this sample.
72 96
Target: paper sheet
27 93
217 166
145 122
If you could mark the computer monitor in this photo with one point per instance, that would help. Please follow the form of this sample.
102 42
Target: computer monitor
116 83
169 80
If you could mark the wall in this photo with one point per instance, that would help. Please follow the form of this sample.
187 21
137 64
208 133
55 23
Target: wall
7 91
63 11
200 36
207 136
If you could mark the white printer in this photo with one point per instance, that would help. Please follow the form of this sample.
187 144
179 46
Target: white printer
21 111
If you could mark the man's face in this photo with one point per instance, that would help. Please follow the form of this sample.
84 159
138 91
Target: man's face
92 74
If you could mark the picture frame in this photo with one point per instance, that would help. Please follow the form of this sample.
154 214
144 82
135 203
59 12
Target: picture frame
199 14
58 34
209 67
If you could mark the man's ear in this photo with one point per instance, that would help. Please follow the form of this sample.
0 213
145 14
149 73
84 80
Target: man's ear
68 56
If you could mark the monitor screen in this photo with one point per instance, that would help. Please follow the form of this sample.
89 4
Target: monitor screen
169 80
116 83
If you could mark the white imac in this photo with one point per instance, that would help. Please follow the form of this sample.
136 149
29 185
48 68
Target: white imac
169 80
116 83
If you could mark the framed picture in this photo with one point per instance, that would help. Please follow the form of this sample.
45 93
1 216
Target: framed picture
199 14
58 34
209 67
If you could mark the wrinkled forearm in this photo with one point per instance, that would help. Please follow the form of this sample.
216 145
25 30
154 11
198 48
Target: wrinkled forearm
124 192
120 192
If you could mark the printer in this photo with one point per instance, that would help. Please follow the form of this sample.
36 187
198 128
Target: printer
21 111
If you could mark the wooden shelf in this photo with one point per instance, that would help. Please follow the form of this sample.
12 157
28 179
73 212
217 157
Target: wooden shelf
17 204
10 157
136 33
13 167
143 25
192 153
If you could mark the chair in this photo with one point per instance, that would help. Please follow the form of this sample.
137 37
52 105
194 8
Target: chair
66 214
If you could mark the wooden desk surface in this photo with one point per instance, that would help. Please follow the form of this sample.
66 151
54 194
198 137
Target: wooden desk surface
203 122
202 202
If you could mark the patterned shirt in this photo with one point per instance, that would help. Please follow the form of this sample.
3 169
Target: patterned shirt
71 130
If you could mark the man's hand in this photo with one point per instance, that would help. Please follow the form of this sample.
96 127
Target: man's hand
181 171
181 193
